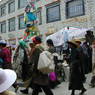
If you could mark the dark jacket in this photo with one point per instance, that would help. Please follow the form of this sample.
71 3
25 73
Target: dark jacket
76 72
37 76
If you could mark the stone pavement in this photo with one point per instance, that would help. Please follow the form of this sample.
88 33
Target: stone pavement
62 89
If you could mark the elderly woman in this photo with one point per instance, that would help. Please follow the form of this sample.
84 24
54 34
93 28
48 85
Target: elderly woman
76 75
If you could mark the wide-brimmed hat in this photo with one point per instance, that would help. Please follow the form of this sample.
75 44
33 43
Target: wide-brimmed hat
73 43
7 78
78 41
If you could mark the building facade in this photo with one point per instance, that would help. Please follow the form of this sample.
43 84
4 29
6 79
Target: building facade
53 15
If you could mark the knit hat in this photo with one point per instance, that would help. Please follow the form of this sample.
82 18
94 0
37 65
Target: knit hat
37 40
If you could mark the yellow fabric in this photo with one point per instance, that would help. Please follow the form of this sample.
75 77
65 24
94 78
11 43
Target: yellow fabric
33 28
73 42
8 93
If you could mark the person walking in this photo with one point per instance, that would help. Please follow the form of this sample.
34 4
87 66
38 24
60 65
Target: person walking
39 80
87 50
28 66
52 50
6 56
81 56
76 78
92 83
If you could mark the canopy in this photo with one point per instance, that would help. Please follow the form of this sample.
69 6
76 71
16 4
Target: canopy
67 33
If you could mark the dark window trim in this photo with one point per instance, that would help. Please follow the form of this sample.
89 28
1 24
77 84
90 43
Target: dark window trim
52 3
20 7
37 0
13 1
9 24
66 10
19 22
4 22
3 6
39 10
51 6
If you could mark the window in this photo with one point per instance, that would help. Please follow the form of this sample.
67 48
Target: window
3 10
22 3
37 0
74 8
39 16
53 12
11 7
21 22
3 27
12 24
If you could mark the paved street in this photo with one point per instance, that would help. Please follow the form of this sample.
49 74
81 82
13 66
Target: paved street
62 89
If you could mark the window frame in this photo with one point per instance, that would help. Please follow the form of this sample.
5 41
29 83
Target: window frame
19 22
1 7
37 0
67 14
3 23
9 6
20 7
52 6
10 25
39 11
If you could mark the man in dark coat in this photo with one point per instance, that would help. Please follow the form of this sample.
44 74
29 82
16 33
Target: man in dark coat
89 37
76 74
39 80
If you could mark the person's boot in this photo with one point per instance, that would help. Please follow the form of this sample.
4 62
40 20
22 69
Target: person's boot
25 91
92 85
40 90
16 86
73 92
83 91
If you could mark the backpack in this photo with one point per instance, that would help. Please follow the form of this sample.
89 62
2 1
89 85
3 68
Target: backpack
46 62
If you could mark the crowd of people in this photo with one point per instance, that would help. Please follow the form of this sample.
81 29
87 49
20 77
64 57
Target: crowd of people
80 57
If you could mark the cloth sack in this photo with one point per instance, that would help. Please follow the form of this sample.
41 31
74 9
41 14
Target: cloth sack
66 70
46 62
65 64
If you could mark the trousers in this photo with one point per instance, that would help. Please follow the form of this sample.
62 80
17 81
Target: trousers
46 89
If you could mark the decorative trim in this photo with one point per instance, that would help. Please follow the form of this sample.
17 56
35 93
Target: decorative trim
52 3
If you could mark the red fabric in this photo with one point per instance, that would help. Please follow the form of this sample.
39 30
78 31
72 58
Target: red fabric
35 41
6 55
